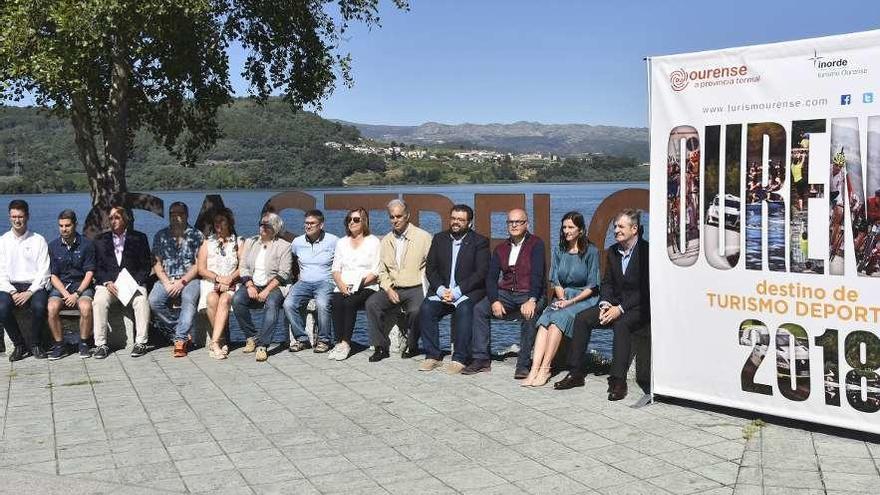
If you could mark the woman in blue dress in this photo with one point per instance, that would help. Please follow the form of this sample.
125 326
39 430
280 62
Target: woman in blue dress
574 276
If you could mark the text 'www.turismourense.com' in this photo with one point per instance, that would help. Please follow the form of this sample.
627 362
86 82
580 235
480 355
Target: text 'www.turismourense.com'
767 105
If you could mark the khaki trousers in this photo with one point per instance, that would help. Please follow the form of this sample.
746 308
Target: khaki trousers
138 309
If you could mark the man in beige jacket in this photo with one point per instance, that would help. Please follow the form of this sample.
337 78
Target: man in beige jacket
401 277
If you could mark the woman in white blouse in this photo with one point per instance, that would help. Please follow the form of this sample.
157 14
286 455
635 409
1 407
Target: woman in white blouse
218 268
355 269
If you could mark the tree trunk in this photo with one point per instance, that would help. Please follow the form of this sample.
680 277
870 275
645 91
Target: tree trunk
106 178
106 182
116 132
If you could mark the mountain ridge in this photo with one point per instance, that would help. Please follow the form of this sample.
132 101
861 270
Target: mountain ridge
518 137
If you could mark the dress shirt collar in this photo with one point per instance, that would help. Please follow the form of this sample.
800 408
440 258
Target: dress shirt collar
460 239
317 240
22 237
521 241
626 252
73 242
401 235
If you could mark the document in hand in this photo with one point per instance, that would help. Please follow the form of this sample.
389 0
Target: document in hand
126 287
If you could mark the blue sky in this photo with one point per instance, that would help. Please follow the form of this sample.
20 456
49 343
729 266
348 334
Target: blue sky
550 61
483 61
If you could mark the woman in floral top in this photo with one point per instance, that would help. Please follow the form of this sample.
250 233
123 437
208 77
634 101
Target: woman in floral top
218 268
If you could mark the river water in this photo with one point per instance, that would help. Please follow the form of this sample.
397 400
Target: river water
583 197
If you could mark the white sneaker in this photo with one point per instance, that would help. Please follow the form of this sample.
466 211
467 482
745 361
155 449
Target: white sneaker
333 353
343 351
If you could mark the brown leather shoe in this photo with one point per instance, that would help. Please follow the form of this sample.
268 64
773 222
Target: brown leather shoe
618 389
179 349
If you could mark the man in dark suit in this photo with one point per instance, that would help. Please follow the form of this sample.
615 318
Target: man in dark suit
456 270
624 306
118 249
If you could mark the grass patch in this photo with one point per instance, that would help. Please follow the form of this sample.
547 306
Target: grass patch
751 429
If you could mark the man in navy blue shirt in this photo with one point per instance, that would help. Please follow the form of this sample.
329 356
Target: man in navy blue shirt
72 266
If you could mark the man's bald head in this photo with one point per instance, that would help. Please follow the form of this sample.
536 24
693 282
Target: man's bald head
517 223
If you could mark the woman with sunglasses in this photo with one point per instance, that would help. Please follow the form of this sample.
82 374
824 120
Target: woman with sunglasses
218 268
355 272
265 266
574 276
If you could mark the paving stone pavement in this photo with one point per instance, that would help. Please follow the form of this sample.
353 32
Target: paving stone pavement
300 423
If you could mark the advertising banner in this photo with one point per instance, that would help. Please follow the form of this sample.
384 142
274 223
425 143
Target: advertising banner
765 185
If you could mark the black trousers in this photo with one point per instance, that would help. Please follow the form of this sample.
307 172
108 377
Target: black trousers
344 312
38 303
623 328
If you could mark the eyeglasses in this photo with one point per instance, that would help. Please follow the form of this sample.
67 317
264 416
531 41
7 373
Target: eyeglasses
266 225
353 219
395 217
311 224
516 222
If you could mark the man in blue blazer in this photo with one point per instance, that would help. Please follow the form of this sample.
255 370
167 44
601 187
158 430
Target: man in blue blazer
116 249
456 269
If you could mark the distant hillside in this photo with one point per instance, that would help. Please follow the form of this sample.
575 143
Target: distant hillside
262 147
271 147
521 137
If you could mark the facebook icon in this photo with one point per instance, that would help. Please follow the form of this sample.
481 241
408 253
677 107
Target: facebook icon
845 99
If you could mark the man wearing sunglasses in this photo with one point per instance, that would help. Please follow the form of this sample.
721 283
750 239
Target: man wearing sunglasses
514 290
314 255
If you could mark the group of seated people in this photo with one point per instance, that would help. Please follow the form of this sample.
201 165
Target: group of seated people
408 275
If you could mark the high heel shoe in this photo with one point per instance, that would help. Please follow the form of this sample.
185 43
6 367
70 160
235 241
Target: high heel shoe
542 378
528 381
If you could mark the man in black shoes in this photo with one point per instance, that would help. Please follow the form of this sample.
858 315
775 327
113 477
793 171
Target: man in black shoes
24 278
402 255
624 306
514 290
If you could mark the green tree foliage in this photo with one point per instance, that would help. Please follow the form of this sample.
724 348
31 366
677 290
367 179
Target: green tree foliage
261 146
593 168
113 67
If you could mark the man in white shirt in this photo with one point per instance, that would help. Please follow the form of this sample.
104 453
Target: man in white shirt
24 278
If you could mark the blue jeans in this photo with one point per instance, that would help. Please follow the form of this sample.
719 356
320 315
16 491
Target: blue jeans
296 302
181 324
39 303
241 306
429 325
483 333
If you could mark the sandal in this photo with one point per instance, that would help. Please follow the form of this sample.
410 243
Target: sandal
299 345
215 351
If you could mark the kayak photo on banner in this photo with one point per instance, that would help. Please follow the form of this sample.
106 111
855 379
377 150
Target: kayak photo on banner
766 295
